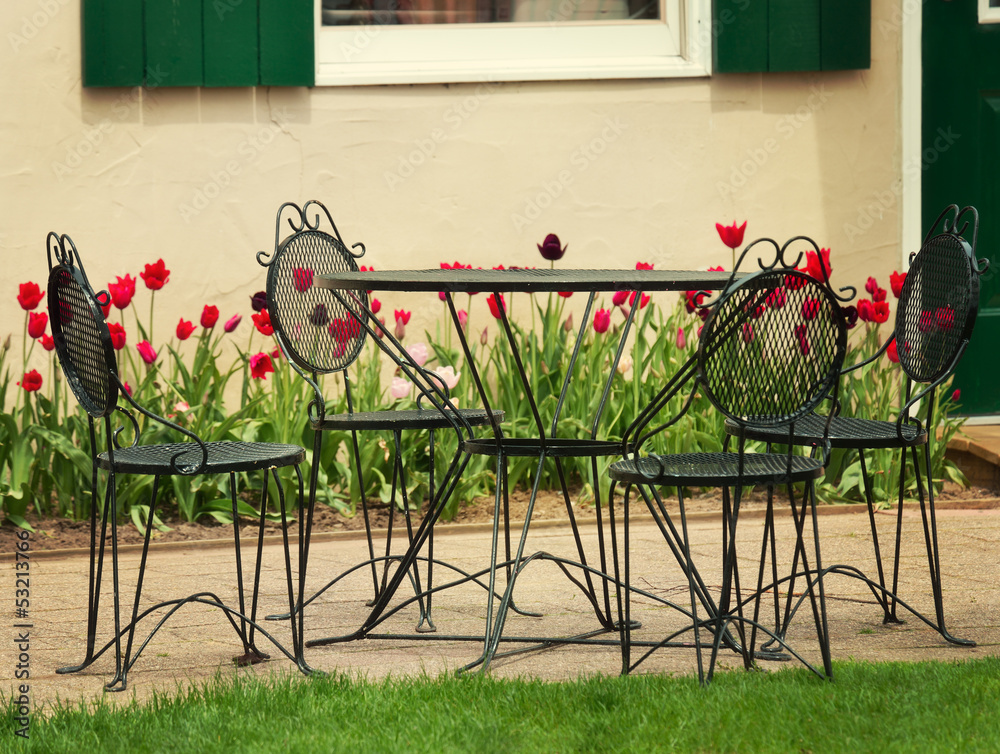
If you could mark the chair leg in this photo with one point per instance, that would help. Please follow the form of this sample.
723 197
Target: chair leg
96 573
120 681
251 654
929 518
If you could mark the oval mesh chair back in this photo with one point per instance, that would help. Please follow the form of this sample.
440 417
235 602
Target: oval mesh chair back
320 334
772 349
82 341
937 308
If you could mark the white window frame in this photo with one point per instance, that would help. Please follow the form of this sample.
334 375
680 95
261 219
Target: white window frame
678 46
988 15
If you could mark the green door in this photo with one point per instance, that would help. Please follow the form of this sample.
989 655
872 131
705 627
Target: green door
961 163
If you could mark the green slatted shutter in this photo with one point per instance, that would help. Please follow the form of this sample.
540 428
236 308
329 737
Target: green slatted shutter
198 42
791 35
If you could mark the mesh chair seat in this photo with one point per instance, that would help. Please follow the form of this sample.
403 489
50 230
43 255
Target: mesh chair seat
418 418
715 469
223 457
845 432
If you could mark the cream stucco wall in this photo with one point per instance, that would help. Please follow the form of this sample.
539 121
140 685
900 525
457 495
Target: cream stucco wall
621 170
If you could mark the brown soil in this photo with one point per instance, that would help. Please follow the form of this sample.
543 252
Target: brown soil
60 534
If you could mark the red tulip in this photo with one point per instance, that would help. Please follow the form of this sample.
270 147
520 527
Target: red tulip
232 323
881 311
122 291
681 340
643 266
402 314
818 265
260 365
209 316
302 277
810 308
262 321
944 317
565 294
375 305
496 305
146 351
866 311
731 235
29 296
117 335
642 301
802 334
155 275
602 320
871 285
47 343
892 353
36 324
31 382
896 280
619 298
956 396
777 298
184 329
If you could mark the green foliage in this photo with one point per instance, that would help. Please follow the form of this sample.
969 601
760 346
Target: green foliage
45 437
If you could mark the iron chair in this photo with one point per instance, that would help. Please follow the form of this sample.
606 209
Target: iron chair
934 321
87 358
771 350
321 333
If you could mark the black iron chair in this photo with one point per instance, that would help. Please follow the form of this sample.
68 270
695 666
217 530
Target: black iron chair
943 279
771 350
83 345
321 333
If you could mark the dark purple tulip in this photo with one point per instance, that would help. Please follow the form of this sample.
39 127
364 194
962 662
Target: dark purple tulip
258 301
550 248
850 316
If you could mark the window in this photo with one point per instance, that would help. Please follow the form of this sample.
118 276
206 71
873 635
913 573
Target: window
989 11
428 41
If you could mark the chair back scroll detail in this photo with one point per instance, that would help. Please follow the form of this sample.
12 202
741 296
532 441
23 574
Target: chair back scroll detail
318 332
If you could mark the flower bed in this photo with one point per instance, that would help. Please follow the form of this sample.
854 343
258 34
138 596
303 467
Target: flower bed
185 377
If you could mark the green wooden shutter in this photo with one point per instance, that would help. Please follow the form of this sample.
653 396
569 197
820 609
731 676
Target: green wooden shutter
287 43
174 42
232 48
112 43
198 42
791 35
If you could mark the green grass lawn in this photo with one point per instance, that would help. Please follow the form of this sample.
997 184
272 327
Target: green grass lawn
870 707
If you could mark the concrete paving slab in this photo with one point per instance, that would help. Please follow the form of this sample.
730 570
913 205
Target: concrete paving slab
197 642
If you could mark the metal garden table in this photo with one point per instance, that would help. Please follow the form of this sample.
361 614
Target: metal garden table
542 444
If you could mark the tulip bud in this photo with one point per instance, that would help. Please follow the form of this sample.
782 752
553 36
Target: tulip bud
484 338
400 329
568 324
6 344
